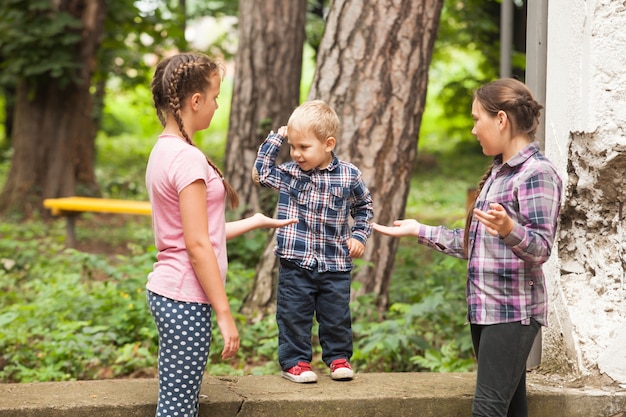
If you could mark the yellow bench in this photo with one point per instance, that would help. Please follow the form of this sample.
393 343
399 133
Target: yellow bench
71 207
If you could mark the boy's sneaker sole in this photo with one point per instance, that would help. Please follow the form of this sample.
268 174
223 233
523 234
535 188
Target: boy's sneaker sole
342 374
305 377
340 370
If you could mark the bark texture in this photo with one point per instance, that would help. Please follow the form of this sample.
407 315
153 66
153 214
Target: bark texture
372 67
266 88
265 92
53 126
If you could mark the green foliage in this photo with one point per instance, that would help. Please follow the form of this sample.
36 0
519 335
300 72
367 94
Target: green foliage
37 41
68 314
465 56
427 313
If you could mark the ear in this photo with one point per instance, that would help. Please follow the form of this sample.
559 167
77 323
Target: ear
331 142
194 101
503 119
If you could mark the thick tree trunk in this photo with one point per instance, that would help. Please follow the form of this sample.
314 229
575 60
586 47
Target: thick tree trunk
372 67
266 88
265 91
53 127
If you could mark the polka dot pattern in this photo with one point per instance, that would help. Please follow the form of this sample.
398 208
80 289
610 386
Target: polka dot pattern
184 340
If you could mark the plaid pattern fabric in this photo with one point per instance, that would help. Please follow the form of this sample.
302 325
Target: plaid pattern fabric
323 201
505 281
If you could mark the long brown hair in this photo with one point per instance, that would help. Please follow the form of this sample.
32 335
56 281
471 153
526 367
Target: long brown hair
176 78
523 111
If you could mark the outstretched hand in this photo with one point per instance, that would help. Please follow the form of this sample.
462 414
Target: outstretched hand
496 220
269 222
407 227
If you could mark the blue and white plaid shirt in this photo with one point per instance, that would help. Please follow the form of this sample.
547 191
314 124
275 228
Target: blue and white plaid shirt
323 200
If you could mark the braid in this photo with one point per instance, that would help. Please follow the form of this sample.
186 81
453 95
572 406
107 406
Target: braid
470 210
174 99
175 79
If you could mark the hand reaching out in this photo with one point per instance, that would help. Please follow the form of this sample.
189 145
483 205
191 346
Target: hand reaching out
496 220
407 227
270 223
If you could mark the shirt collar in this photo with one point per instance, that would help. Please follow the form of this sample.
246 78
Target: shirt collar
520 157
334 163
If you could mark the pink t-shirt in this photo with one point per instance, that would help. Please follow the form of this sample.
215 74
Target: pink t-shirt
172 166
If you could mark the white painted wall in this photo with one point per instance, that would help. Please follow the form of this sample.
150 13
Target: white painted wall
586 120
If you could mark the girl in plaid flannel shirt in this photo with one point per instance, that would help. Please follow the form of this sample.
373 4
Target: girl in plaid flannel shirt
508 235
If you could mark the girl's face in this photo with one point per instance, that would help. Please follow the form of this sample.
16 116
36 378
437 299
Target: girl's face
488 131
308 151
207 103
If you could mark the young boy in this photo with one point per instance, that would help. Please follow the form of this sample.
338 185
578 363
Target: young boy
315 253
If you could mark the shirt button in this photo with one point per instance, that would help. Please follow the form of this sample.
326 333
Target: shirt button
531 283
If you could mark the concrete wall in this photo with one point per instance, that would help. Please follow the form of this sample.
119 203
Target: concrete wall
585 132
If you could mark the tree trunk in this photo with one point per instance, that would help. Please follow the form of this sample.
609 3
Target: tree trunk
265 92
372 67
53 126
266 88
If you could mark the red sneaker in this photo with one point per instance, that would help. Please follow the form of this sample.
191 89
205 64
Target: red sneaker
300 373
341 370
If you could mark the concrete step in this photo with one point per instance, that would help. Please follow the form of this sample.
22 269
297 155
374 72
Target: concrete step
368 395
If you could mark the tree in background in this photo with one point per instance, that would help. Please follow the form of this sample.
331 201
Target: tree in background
49 53
267 89
372 67
268 69
57 57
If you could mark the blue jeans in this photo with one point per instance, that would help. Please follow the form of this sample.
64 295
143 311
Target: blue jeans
301 293
502 351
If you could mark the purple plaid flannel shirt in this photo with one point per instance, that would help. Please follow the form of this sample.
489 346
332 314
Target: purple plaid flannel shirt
505 281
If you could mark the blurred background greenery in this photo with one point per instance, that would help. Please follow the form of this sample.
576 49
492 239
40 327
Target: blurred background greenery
81 313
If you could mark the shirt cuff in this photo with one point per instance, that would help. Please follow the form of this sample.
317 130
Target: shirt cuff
515 237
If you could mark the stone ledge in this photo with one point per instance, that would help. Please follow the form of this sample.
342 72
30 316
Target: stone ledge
369 394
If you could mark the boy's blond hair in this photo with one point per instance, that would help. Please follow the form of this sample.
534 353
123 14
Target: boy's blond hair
316 117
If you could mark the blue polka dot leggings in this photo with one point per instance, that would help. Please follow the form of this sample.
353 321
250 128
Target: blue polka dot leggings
184 341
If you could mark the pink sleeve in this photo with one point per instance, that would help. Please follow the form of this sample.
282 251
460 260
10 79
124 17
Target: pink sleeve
189 166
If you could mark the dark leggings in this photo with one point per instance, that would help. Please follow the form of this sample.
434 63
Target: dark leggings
502 351
184 342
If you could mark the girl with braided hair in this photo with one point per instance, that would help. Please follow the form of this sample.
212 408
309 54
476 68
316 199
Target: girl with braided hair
509 233
188 193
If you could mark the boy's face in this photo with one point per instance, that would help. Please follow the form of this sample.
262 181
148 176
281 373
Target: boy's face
309 151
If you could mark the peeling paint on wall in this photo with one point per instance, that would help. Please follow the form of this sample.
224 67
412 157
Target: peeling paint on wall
592 247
